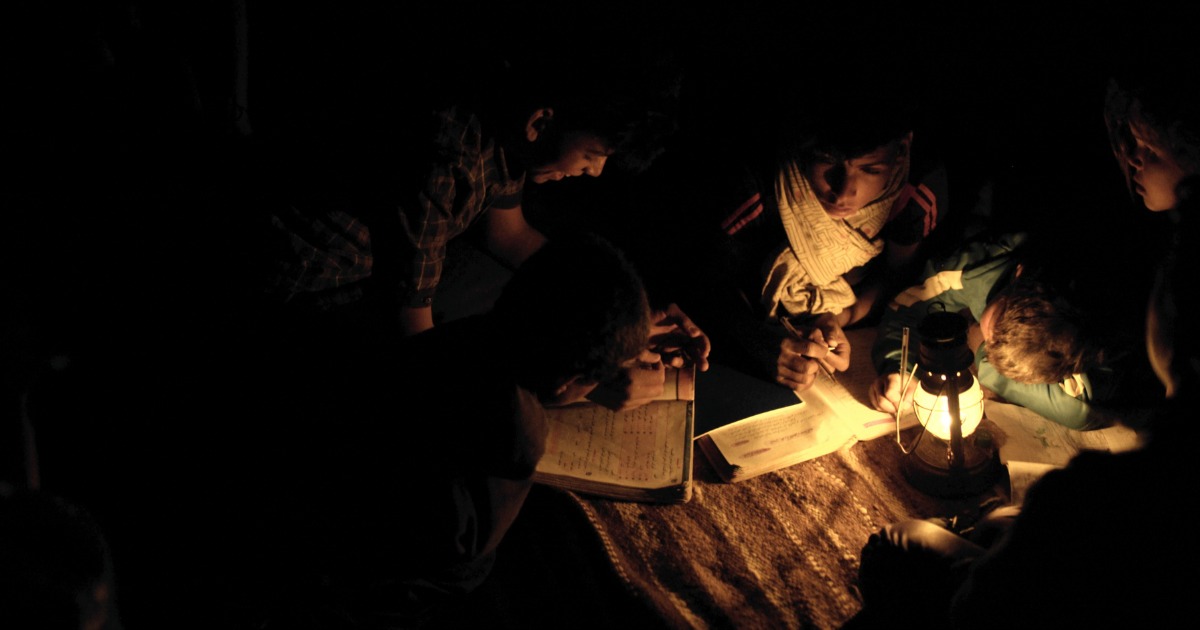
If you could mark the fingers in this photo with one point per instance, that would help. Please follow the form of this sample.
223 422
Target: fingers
793 369
838 359
636 385
828 345
836 342
798 375
645 384
838 356
807 348
885 393
649 358
886 396
674 334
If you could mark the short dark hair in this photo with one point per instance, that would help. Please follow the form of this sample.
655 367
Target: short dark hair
847 115
630 100
844 133
1037 336
575 307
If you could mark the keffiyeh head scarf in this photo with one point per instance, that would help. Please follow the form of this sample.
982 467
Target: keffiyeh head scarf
805 276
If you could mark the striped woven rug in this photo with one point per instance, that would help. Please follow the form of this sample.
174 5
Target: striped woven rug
776 551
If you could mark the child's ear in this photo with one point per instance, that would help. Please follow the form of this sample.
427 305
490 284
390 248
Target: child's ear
906 143
536 125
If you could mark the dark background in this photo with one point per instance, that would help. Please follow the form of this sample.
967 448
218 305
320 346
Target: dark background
133 188
134 185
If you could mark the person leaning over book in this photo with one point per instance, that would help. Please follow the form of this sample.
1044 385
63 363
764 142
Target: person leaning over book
820 226
1032 347
1087 547
361 244
426 446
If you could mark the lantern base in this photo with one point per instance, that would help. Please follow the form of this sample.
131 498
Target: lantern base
927 468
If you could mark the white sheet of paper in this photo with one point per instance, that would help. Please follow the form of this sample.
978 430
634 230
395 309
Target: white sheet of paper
1028 437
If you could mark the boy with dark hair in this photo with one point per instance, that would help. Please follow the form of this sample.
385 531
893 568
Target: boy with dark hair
579 309
1036 337
820 225
362 248
370 225
1032 348
1086 548
419 451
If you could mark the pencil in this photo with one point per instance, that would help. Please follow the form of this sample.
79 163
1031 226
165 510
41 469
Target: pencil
787 325
903 381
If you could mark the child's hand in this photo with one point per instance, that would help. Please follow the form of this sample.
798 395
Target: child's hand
799 361
820 346
885 393
835 339
637 384
678 339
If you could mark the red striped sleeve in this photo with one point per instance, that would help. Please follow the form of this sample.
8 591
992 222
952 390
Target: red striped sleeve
745 213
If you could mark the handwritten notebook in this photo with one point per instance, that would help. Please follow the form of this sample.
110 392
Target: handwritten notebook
642 454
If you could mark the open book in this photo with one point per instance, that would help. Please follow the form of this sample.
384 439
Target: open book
643 454
794 426
1031 445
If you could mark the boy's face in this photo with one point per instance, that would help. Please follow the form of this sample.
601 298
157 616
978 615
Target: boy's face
844 186
987 321
1154 170
579 153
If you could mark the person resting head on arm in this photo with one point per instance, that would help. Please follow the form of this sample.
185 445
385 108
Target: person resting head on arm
1032 347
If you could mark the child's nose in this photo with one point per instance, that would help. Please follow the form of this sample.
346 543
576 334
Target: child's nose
596 167
1134 157
840 183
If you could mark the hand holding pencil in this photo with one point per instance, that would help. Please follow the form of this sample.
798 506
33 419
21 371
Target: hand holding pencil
674 341
886 396
891 393
808 350
678 339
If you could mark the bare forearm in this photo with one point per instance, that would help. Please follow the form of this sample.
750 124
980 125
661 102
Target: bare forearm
510 237
517 247
415 319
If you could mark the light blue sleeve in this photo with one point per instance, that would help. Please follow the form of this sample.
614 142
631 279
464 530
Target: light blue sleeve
982 262
1049 401
885 353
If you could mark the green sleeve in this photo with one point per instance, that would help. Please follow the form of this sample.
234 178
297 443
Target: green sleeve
983 263
1049 401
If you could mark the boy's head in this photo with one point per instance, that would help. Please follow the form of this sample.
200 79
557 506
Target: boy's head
846 181
574 313
558 152
851 137
581 109
1153 122
1034 336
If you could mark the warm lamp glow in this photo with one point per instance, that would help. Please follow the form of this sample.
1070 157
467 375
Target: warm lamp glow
950 462
933 410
